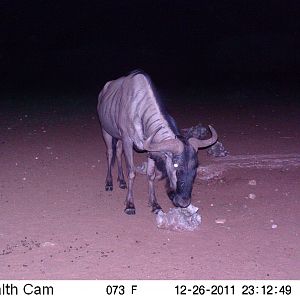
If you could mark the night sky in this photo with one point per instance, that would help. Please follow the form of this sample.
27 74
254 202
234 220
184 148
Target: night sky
86 43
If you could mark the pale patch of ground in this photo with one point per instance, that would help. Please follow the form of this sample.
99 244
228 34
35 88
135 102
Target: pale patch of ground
57 221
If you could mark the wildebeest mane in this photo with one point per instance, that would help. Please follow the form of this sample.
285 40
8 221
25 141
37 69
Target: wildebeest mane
170 120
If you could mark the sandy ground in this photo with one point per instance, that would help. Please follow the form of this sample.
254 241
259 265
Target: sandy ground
57 221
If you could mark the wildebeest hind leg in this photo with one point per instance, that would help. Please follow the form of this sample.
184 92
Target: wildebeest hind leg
108 141
128 152
122 182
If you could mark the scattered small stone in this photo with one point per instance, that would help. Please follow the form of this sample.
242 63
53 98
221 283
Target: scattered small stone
220 220
252 182
47 244
251 196
24 178
274 226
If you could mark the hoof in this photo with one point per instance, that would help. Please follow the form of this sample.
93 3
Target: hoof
156 208
108 187
122 184
130 209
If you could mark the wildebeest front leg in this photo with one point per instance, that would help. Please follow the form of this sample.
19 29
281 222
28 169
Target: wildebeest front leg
128 152
151 176
122 183
108 141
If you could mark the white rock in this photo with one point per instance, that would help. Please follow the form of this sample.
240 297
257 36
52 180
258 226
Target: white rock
47 244
252 182
220 220
252 196
274 226
179 219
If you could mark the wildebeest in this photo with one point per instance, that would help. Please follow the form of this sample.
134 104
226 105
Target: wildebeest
132 116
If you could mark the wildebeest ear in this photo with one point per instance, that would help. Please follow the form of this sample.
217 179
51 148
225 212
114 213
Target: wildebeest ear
188 132
185 131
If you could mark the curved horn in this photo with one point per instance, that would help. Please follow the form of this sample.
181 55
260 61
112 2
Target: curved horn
204 143
172 145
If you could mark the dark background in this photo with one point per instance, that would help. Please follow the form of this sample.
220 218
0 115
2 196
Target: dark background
80 45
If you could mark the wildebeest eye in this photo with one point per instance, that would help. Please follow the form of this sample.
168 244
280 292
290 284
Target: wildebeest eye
175 165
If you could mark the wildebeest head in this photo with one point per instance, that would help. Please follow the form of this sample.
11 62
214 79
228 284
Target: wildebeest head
178 161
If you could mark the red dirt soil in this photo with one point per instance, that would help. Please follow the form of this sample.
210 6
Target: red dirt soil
58 222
